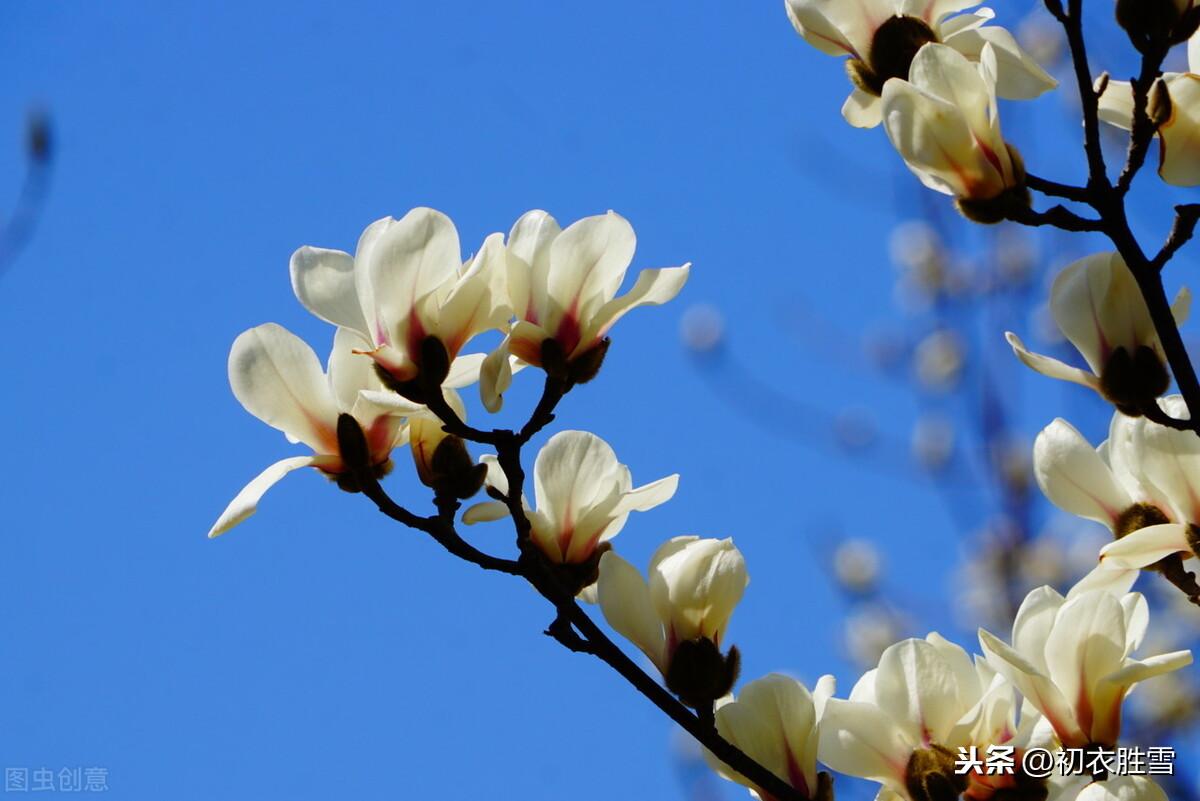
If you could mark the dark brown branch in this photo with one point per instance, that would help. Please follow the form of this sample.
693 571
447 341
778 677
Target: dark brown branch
1055 189
1154 413
1186 218
1143 127
1072 23
1057 217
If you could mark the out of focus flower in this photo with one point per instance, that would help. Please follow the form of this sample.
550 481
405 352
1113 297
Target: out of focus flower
1177 109
882 36
702 328
943 121
1070 658
933 441
939 360
775 721
678 617
277 377
1099 308
583 495
856 565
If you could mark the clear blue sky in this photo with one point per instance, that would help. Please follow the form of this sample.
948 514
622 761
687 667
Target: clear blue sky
319 651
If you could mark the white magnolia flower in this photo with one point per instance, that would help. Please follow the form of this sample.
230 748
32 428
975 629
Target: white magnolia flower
775 721
1099 308
278 379
905 720
881 37
1123 788
943 122
583 494
1170 461
678 617
407 282
1071 659
1179 136
563 285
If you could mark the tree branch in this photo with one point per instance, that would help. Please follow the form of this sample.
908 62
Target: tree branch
1186 218
1143 128
1055 189
1057 217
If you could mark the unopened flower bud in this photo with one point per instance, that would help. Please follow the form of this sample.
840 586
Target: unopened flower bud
700 674
452 472
1148 21
585 366
1159 107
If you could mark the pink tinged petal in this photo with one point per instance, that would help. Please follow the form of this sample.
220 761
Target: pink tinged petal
1051 368
862 740
1037 688
863 109
1111 691
350 371
588 261
323 281
574 471
652 288
1018 76
1086 644
529 242
1180 136
916 687
276 376
1146 546
1074 477
624 599
407 260
821 23
246 502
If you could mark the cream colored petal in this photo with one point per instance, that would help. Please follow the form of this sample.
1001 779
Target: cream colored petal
916 687
1123 788
861 740
495 377
1116 104
478 301
863 109
1074 477
836 29
276 376
529 242
485 512
588 261
1018 75
1049 367
1146 546
652 288
624 599
1036 687
246 502
1180 136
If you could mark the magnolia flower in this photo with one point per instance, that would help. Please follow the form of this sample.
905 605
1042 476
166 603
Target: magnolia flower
905 721
679 616
1099 308
563 285
1179 117
1070 658
775 721
278 379
583 494
1170 460
943 121
881 37
409 297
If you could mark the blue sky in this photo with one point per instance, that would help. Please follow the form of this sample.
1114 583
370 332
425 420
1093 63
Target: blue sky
320 651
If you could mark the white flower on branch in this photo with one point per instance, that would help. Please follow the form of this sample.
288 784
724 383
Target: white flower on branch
1123 788
882 36
277 377
775 721
905 721
409 297
1169 460
943 121
679 615
1071 659
1177 113
1098 306
584 495
563 286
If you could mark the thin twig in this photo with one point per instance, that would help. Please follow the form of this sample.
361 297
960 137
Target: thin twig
1184 227
1056 189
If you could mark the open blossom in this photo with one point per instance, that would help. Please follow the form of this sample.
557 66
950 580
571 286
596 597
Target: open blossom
583 496
1170 460
1123 788
1100 310
679 615
882 36
1071 659
277 377
563 286
943 122
1179 134
905 721
776 721
406 287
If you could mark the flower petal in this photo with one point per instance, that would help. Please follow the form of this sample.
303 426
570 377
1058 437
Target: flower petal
1074 477
861 740
323 281
1146 546
625 601
1052 368
246 502
652 288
